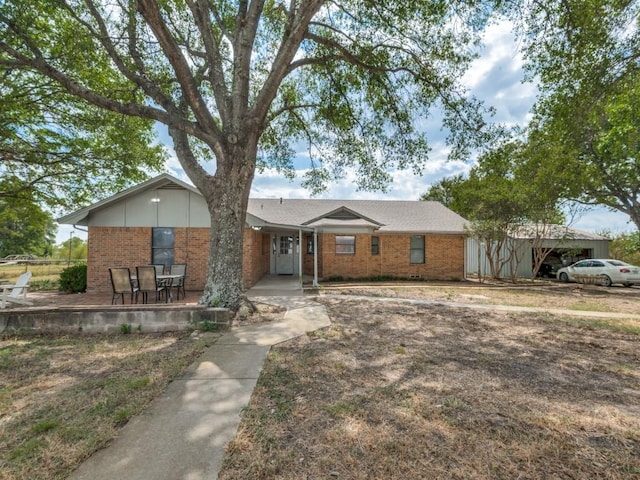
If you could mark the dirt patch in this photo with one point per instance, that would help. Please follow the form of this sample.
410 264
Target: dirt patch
569 296
396 391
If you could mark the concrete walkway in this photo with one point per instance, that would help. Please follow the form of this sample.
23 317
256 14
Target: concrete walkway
182 435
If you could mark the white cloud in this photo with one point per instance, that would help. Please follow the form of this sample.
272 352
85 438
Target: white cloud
499 54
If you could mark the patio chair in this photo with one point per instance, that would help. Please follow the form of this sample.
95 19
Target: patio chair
18 292
179 269
159 271
159 268
148 283
122 283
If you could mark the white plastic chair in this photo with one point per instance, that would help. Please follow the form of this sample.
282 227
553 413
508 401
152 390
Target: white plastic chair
16 293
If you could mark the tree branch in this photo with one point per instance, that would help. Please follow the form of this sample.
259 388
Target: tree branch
199 10
151 13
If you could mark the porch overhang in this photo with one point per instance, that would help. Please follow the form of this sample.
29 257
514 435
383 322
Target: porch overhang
257 223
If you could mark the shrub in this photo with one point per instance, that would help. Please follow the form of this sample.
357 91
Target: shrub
74 279
125 328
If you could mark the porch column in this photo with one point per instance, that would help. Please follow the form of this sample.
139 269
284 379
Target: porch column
300 240
315 258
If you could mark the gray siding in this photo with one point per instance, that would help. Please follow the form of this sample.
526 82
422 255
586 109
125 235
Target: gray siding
154 208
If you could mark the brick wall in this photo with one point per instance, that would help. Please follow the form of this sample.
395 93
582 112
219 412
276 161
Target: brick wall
444 257
192 248
115 247
131 246
256 258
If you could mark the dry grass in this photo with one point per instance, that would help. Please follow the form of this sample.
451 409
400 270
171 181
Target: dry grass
569 296
389 391
62 398
393 391
43 276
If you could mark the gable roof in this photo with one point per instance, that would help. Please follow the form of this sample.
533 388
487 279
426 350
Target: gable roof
402 216
164 180
385 215
342 216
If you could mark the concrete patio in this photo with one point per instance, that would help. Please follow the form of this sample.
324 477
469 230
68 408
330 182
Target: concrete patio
93 312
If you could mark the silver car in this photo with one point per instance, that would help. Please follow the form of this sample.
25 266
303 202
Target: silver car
605 271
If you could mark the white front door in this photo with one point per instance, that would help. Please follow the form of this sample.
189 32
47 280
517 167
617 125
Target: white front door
284 255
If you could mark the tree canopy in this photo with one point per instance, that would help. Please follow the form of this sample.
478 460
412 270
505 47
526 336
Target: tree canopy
237 81
586 54
63 152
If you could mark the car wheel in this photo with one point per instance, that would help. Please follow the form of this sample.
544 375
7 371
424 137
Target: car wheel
606 281
627 284
564 277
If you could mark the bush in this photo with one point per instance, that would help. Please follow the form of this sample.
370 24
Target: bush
74 279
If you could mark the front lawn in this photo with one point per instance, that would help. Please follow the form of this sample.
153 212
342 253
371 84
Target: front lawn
397 391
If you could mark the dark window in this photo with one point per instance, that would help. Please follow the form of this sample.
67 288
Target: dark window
345 245
163 246
375 245
417 249
310 244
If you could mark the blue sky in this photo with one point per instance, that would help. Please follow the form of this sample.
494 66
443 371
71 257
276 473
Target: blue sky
497 79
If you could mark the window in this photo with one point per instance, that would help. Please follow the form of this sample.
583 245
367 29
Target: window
286 245
345 245
417 249
310 244
162 246
375 245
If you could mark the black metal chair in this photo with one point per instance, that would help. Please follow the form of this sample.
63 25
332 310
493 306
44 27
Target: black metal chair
122 283
179 269
148 283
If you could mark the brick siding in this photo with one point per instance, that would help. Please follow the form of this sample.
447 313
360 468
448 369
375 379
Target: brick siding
256 258
131 246
307 258
444 258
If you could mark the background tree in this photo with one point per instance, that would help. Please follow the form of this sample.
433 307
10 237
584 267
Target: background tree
72 249
509 193
25 228
448 191
625 247
491 199
236 81
586 54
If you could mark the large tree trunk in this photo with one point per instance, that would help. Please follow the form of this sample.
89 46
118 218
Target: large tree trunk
227 202
227 195
227 210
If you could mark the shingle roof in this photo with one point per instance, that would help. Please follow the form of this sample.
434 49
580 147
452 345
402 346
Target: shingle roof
394 215
388 215
554 232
